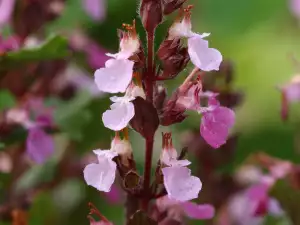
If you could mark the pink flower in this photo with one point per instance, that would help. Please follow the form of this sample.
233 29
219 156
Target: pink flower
295 7
169 154
101 175
122 110
129 43
95 8
39 145
6 10
114 196
216 122
34 117
290 93
203 57
115 77
177 209
179 183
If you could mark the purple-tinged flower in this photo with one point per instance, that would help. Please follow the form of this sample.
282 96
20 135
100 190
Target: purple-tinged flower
179 183
39 145
290 93
295 8
10 44
95 8
114 196
169 154
252 205
115 77
177 210
34 117
203 57
101 175
6 10
216 122
122 110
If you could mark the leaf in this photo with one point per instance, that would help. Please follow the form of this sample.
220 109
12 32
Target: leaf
289 198
55 47
72 115
7 100
2 145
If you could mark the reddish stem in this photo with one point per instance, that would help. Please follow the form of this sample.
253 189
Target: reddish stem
150 74
147 171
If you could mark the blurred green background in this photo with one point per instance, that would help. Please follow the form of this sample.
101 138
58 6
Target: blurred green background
257 36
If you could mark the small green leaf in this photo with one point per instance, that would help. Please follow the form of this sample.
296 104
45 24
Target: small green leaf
7 100
55 47
2 145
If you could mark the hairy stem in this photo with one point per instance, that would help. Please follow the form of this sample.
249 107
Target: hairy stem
150 73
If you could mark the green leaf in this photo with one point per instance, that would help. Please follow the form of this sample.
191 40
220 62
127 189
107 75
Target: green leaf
2 145
289 198
55 47
72 115
7 100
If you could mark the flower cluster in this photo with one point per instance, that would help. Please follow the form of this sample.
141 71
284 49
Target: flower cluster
144 106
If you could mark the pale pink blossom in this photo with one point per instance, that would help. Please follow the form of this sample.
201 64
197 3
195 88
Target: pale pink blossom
101 175
216 122
295 7
179 183
95 8
6 10
203 57
129 43
120 113
169 154
115 77
177 210
122 148
122 110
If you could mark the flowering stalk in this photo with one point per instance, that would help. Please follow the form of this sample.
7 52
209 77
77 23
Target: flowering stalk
144 106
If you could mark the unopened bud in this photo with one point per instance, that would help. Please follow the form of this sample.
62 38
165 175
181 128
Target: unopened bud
171 5
151 14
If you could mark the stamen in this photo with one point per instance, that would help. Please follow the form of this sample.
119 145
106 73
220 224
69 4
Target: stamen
138 79
94 210
126 133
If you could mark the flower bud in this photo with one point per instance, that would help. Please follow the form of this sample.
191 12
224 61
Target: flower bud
123 149
145 120
171 5
174 57
151 14
172 112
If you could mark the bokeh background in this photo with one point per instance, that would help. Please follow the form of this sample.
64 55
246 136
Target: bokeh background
260 38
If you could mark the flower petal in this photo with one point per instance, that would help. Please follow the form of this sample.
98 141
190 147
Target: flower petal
101 176
39 145
95 8
179 183
6 9
214 134
115 77
119 116
202 56
194 211
215 125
